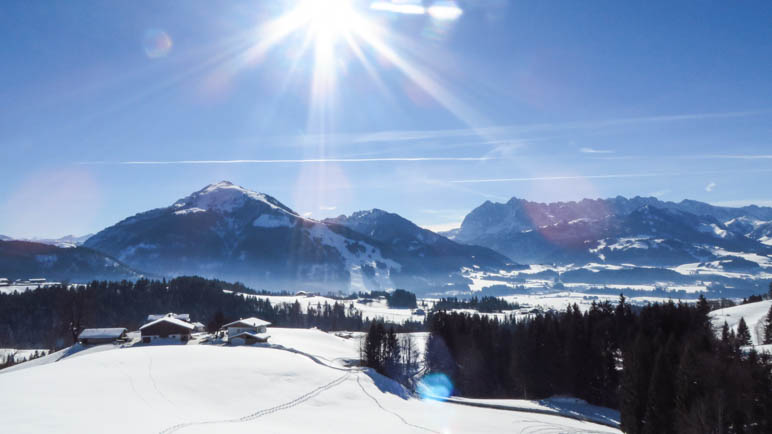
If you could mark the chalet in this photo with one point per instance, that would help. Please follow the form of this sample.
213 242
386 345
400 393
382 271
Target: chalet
4 282
166 327
198 327
247 331
38 280
102 336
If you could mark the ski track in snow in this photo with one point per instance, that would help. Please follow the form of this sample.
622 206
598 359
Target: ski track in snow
391 412
295 402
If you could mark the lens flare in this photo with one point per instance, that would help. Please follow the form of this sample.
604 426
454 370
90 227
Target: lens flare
435 387
156 43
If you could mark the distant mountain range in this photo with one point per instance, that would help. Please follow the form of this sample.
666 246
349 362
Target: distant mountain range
640 231
24 259
228 232
65 241
232 233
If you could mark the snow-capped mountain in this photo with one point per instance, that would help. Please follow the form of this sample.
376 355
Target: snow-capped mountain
24 259
641 231
229 232
419 250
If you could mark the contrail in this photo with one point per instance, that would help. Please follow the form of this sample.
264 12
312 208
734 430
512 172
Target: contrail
294 161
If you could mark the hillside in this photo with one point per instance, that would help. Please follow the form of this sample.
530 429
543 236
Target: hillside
24 259
754 314
299 384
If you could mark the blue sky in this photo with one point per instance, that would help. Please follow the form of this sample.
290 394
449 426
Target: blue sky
110 109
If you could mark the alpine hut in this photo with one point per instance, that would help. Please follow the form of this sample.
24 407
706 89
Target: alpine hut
166 327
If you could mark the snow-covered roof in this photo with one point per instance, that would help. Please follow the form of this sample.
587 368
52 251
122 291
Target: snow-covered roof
248 322
171 320
106 333
181 316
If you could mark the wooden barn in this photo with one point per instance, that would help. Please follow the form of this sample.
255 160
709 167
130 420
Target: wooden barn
102 336
166 327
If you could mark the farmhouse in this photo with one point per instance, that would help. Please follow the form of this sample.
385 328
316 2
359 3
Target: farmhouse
102 336
247 331
166 327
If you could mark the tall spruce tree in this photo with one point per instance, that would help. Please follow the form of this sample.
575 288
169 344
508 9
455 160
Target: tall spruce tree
743 333
768 327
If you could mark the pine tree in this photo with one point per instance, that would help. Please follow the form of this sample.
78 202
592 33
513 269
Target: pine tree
743 333
768 327
725 333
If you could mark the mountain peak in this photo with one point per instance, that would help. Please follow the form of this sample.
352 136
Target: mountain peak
226 196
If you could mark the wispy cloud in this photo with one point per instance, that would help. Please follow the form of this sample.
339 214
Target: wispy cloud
327 207
557 178
711 185
291 161
731 156
494 131
595 151
607 176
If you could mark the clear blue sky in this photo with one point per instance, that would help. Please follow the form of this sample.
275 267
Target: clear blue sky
546 100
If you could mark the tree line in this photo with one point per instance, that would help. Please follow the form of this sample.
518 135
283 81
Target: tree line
485 304
661 365
52 317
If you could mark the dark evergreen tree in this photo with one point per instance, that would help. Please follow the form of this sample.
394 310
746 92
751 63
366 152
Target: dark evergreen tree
768 327
743 333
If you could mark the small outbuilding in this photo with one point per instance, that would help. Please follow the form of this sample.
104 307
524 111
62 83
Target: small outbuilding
166 327
102 336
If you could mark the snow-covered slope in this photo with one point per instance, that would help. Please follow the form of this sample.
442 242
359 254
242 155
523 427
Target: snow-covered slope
298 386
754 313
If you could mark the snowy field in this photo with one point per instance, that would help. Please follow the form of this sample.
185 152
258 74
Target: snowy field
754 313
555 300
18 355
376 309
300 383
10 289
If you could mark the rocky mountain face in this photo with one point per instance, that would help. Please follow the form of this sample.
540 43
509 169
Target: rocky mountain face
640 231
24 260
232 233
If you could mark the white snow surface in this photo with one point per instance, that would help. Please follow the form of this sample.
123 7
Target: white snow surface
298 383
371 256
193 210
754 313
224 197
